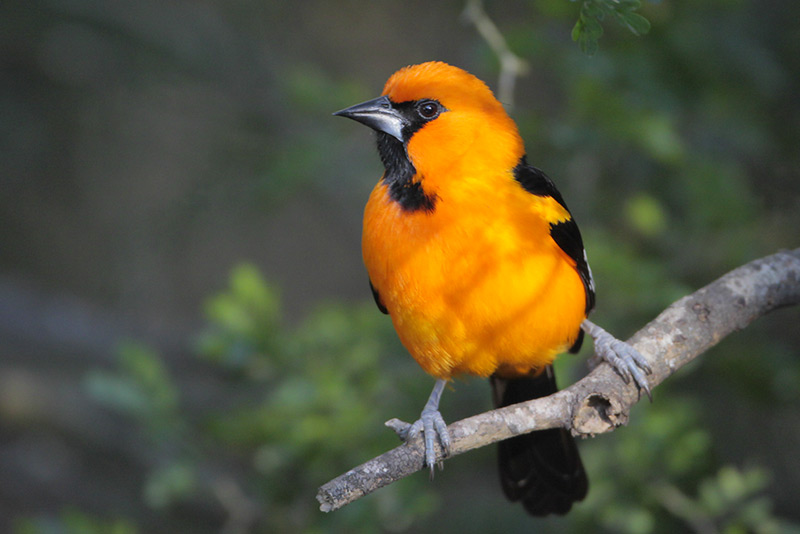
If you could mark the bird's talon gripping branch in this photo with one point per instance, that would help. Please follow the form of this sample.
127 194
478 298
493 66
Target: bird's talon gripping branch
432 425
625 359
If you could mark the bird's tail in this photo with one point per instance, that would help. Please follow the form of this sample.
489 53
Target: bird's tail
542 469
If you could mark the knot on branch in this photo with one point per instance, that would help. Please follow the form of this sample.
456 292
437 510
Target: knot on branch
400 428
599 413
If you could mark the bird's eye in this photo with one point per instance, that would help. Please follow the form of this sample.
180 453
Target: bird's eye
428 109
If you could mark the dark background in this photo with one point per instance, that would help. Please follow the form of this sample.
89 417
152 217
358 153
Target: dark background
187 339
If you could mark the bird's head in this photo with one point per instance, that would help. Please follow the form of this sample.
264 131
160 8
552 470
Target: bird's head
441 115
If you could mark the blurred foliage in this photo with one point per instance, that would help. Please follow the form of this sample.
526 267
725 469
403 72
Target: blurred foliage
309 406
74 522
677 154
588 30
660 476
142 389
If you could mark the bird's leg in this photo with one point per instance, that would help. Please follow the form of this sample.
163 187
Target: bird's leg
626 360
431 424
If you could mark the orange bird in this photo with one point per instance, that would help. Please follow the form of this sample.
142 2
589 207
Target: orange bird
477 260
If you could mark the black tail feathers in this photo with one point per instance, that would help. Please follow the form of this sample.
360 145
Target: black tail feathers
542 469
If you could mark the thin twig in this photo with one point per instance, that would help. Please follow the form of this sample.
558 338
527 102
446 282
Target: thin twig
511 65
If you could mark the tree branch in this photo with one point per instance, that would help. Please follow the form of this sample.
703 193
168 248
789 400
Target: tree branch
511 65
601 401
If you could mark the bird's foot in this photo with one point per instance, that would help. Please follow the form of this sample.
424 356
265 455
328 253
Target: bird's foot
431 425
625 359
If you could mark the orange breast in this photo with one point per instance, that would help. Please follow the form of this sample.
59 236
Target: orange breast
478 283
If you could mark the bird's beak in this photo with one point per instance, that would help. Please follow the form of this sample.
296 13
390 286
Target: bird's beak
378 114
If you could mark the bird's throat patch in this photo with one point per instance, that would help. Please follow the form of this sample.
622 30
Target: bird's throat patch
405 186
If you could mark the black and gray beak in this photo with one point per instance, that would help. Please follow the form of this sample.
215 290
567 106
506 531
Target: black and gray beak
378 114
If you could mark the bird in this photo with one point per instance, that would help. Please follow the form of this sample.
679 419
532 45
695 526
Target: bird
475 257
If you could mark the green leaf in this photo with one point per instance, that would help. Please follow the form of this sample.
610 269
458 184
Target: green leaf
586 32
635 23
593 29
589 46
577 30
593 10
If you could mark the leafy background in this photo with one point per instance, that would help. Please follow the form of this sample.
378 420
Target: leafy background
187 342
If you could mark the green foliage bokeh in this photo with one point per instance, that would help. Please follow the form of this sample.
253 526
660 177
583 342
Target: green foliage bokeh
676 151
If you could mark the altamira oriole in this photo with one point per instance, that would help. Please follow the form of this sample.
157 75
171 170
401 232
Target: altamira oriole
477 260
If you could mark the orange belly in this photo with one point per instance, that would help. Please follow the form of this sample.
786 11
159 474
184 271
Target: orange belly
473 288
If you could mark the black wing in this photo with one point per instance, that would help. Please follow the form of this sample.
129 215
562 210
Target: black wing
377 298
566 234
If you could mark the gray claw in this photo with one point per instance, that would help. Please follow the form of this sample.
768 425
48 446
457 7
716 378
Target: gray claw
413 430
433 426
625 359
444 435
